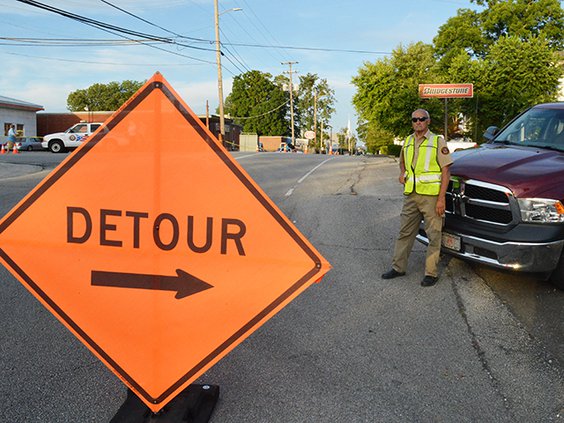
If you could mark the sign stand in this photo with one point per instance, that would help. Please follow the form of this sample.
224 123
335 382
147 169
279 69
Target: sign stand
446 119
195 405
446 91
159 258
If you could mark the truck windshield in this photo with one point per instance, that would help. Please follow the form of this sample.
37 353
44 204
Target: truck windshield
538 127
78 129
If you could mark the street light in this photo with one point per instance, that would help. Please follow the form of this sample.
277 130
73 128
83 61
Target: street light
219 74
233 9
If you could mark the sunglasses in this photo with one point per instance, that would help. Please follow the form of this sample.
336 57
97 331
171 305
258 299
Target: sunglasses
420 119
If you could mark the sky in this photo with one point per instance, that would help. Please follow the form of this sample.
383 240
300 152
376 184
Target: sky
330 38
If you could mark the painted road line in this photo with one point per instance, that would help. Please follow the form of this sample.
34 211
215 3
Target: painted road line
303 178
248 155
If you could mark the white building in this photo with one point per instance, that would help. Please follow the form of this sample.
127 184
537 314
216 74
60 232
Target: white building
20 113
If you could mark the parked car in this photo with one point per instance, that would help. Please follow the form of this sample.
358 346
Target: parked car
29 143
457 144
71 138
285 148
505 199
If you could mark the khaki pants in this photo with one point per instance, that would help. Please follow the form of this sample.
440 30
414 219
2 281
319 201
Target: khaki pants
415 208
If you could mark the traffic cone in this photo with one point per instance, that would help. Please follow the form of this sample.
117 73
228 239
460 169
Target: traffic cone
2 151
15 150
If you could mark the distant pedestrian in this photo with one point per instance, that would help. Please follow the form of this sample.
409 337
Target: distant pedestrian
424 171
11 137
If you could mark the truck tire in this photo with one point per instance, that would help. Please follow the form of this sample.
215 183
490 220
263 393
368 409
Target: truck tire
56 146
557 276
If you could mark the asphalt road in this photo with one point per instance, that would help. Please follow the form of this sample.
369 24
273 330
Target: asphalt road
479 346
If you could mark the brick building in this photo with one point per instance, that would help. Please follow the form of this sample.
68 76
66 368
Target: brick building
48 123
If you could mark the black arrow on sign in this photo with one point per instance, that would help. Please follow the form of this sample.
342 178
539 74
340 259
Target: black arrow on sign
183 283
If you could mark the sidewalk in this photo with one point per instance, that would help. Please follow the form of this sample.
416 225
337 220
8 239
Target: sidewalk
9 170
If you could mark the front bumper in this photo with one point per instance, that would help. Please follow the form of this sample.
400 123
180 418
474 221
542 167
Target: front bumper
519 256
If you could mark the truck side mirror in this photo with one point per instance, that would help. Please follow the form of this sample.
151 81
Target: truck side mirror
491 132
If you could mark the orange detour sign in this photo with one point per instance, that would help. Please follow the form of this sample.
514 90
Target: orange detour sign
159 252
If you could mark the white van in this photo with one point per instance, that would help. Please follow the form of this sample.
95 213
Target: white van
71 138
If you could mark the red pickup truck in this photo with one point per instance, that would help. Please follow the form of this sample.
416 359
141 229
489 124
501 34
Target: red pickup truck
505 201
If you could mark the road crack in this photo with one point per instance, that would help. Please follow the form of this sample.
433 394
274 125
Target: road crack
480 352
519 371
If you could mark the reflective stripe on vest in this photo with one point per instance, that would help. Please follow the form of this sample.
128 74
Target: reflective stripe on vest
426 179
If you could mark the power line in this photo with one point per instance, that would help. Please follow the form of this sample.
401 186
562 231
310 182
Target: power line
266 31
70 42
244 29
263 114
142 38
311 48
93 22
236 54
233 63
154 24
90 62
116 43
109 27
136 17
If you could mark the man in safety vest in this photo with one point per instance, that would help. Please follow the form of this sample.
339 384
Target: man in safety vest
424 171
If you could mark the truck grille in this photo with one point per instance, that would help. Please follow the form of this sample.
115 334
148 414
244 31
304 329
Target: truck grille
480 201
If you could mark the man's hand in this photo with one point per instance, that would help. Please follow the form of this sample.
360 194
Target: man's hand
402 178
445 178
441 206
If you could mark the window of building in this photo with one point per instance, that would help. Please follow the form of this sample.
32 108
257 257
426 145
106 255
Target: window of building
19 128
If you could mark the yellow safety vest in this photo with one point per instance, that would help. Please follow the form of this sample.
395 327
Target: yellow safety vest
425 178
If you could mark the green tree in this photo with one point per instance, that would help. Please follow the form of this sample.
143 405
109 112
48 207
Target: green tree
466 69
461 33
476 32
102 97
259 104
388 90
283 82
524 19
314 93
346 140
519 73
373 137
506 50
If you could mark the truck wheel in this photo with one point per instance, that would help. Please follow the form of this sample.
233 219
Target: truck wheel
557 275
56 147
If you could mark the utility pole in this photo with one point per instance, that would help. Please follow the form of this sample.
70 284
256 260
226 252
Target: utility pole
348 137
290 72
219 75
321 135
315 122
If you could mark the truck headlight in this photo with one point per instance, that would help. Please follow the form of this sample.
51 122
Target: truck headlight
541 210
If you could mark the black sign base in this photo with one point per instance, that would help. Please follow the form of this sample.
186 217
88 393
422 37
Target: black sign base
193 405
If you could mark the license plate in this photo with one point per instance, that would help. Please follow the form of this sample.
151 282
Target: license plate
452 242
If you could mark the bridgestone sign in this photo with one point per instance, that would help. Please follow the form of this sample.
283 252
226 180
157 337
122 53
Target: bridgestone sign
446 90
